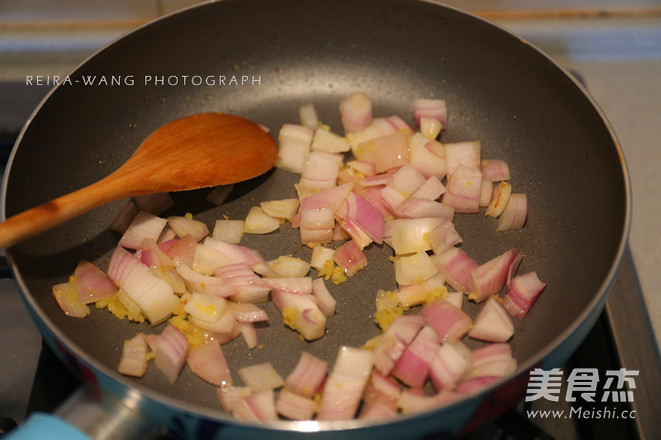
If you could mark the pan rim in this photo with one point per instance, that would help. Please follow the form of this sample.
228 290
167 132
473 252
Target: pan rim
596 304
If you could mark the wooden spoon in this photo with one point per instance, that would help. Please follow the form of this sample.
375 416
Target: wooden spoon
198 151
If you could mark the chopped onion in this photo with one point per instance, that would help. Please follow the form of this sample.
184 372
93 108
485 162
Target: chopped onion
230 396
286 266
249 333
144 225
295 407
523 292
443 237
412 235
261 377
154 296
462 153
284 209
515 213
493 360
301 313
69 300
489 278
350 258
208 362
463 189
258 222
499 201
91 283
432 189
320 171
308 376
356 112
323 297
412 367
414 207
134 357
171 348
367 169
230 231
449 322
486 192
206 307
495 170
430 108
456 266
247 312
492 323
197 282
430 127
308 116
239 254
293 147
329 142
385 152
448 367
256 407
394 341
320 255
345 384
414 268
182 251
427 156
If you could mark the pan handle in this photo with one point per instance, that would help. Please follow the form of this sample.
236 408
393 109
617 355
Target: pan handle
87 415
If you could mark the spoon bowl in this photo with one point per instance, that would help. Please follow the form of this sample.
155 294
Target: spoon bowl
197 151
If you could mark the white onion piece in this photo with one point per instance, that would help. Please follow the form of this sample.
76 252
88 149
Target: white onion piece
356 112
323 297
492 323
443 237
367 169
284 209
329 142
288 267
293 147
432 189
144 225
392 198
249 333
247 312
308 116
515 213
412 367
455 298
308 376
154 296
301 313
463 189
462 153
456 266
501 196
226 325
486 192
449 322
205 307
258 222
154 203
430 127
489 278
261 377
414 207
523 292
295 407
197 282
378 127
493 360
91 283
412 235
414 268
134 357
256 407
385 152
427 156
448 367
495 170
230 396
208 362
320 171
124 218
416 294
230 231
320 255
239 254
171 348
394 341
297 285
207 259
69 300
345 384
181 250
407 180
430 108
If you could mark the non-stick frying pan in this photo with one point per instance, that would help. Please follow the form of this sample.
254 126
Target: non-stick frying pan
499 90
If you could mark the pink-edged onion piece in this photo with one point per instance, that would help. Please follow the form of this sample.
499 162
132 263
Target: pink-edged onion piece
171 348
344 387
495 170
492 323
295 407
308 376
489 278
412 367
515 213
448 367
356 112
301 313
493 360
293 146
466 154
394 341
463 189
430 108
350 258
134 357
208 362
456 266
257 407
523 292
449 322
69 301
385 152
91 283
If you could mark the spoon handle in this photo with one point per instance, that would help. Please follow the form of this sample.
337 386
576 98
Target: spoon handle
50 214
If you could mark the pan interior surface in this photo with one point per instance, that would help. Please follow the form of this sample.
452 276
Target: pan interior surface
281 55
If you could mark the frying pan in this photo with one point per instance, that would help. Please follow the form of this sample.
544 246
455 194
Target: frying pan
499 89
